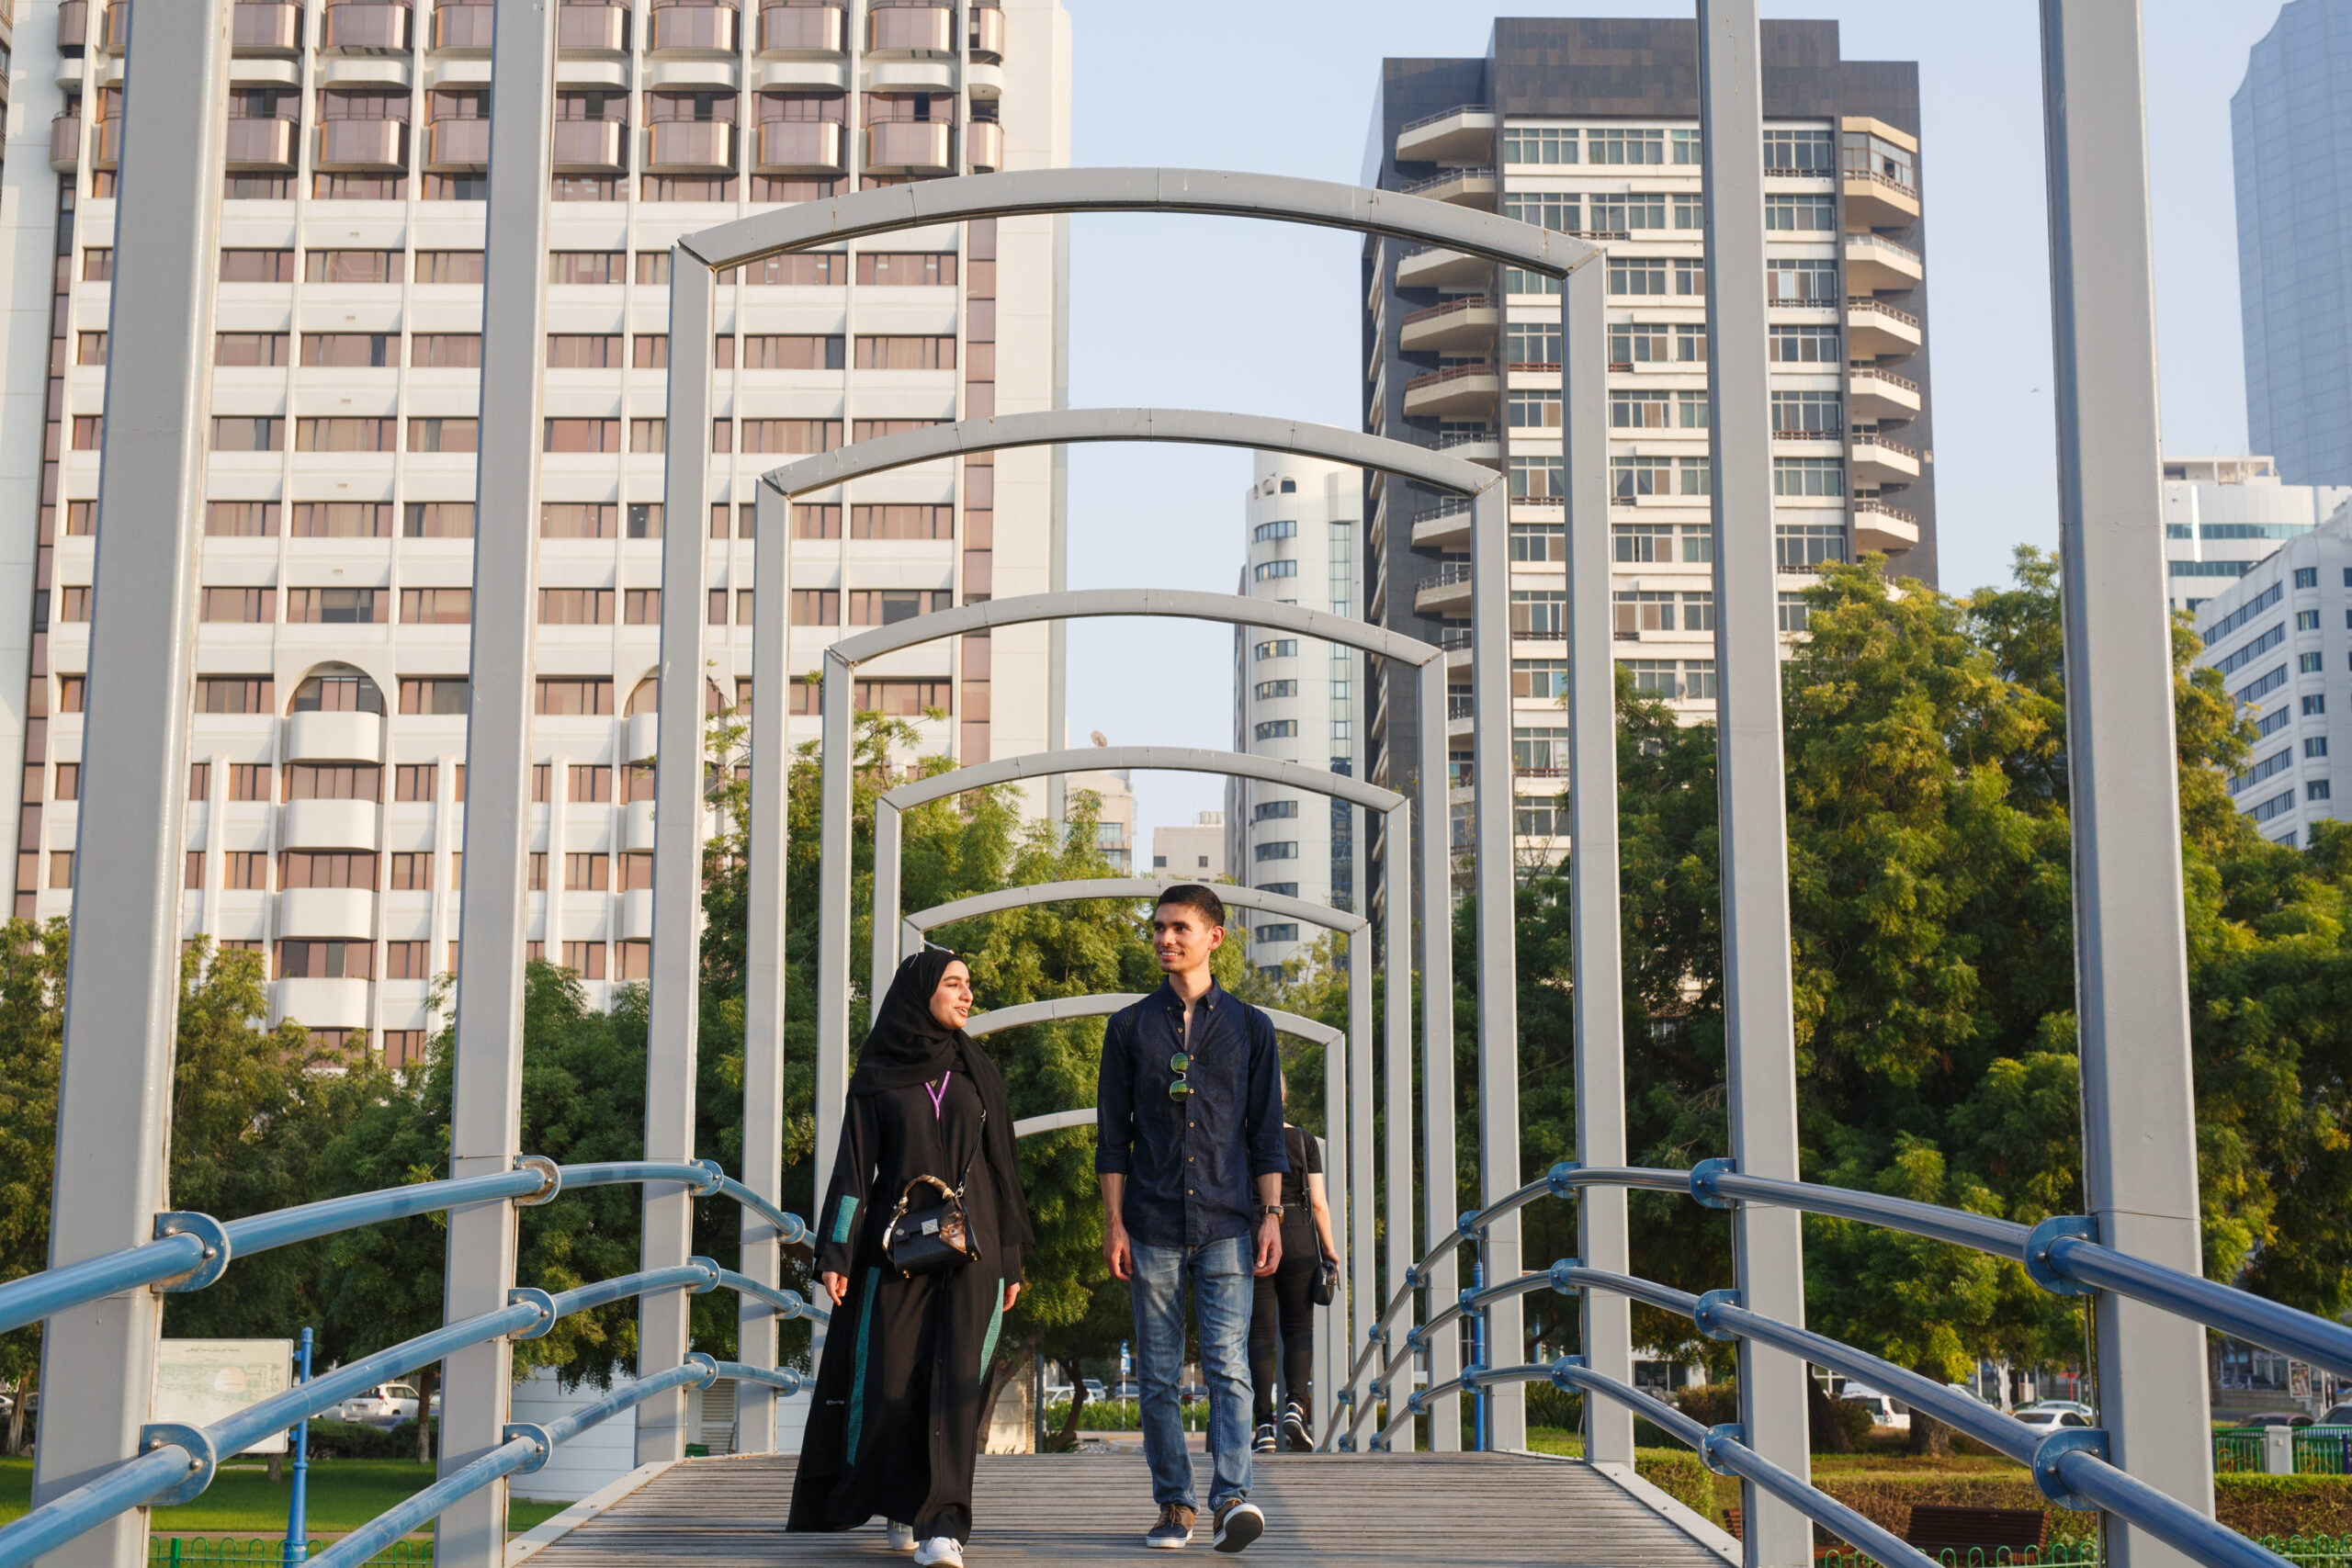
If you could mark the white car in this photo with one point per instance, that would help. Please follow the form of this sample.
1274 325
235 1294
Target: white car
2074 1405
1884 1411
386 1405
2048 1418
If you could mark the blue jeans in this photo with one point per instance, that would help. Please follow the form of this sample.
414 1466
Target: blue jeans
1222 1291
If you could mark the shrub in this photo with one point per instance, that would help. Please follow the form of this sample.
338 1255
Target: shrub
1548 1405
1678 1472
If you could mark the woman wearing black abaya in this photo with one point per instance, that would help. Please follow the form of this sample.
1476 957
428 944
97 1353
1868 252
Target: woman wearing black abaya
896 1428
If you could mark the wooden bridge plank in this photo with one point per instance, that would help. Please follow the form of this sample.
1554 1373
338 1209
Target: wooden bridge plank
1336 1510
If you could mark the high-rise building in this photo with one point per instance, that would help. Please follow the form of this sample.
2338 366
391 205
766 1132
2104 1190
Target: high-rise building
1115 824
1294 697
325 802
1190 851
2223 514
1590 126
2291 136
2281 637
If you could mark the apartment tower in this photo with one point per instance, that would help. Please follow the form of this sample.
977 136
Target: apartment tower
1590 126
326 797
2223 515
1294 697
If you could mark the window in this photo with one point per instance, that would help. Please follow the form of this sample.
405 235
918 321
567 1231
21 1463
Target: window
2307 576
2231 623
2276 806
1267 810
449 267
1266 570
1556 211
586 267
1282 848
1277 728
1801 283
1267 691
299 959
1540 751
2270 724
1538 477
2251 651
1657 343
406 960
568 697
242 349
1543 678
583 351
241 519
1538 144
1800 214
1801 547
1545 543
1813 413
69 781
904 268
1626 214
796 435
578 520
899 699
351 606
1629 410
326 868
1798 152
2313 746
97 264
350 350
346 435
589 872
439 520
248 265
1796 611
333 780
786 352
584 959
1519 280
2315 790
2307 663
889 607
815 607
245 870
2262 686
1866 154
414 780
582 436
443 694
1280 648
349 266
73 603
651 435
1264 532
575 608
239 604
1688 147
436 607
242 432
2315 703
1539 820
1540 615
906 353
901 522
1634 475
1791 344
642 606
1618 145
1809 476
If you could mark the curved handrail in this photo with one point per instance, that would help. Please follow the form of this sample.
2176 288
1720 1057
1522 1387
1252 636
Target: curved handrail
307 1221
791 1303
2300 1334
36 1296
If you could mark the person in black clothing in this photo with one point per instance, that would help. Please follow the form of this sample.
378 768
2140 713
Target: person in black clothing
1283 1312
896 1428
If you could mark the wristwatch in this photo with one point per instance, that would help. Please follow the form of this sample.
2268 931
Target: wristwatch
1270 1210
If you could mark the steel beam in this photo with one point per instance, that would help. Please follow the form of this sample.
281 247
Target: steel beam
1171 759
974 906
122 983
1441 1193
837 768
487 1108
1393 1177
2130 940
1767 1243
883 957
1356 1241
1601 1230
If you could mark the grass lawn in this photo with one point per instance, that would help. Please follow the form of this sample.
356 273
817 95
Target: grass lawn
1877 1466
345 1494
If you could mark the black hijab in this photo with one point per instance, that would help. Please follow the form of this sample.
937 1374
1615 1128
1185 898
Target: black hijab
907 1045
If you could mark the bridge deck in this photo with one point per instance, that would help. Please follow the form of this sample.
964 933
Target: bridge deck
1393 1509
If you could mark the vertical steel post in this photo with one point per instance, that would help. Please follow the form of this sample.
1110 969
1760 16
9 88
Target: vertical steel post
1391 1179
1498 987
2130 965
764 989
672 998
488 1097
1439 1191
1396 960
123 985
883 957
837 765
1761 1037
1359 1059
1335 1326
1601 1232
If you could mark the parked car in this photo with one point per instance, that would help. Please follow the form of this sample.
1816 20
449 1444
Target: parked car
386 1405
1193 1392
1095 1390
2076 1405
1130 1389
2337 1416
2041 1418
1058 1393
2275 1418
1884 1411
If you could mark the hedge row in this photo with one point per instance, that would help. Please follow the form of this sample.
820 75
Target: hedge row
2251 1505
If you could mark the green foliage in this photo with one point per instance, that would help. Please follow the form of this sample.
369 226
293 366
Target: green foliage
1679 1474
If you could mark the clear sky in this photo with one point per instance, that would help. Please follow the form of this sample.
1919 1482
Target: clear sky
1264 319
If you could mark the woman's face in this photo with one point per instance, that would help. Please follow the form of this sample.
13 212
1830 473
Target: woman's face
952 1003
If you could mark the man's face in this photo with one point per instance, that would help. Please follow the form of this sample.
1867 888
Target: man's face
1183 938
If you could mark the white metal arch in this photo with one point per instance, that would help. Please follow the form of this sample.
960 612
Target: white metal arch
1101 1004
998 900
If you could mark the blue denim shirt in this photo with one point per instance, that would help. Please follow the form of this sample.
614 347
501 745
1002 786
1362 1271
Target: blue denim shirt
1191 1166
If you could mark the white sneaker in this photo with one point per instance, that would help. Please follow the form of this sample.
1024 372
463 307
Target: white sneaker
903 1537
941 1549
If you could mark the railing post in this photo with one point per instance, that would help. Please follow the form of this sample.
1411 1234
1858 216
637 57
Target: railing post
1439 1194
837 770
764 990
487 1106
673 1005
1336 1325
1593 869
1498 984
1761 1054
1396 957
1358 1080
122 987
2130 939
882 961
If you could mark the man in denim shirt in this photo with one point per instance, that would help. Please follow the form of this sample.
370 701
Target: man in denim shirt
1190 1157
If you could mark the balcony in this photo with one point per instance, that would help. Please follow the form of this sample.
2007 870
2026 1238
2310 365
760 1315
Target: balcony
801 147
1878 201
1462 134
986 38
1878 460
265 146
1875 264
65 143
1445 527
115 31
464 29
1466 187
266 28
316 736
327 912
1875 394
105 145
1445 589
1433 266
361 26
910 146
323 1004
636 834
1875 330
364 146
1887 529
914 32
591 147
808 30
1458 326
1453 393
458 146
690 147
1475 443
984 145
331 824
634 920
592 27
73 27
643 739
692 30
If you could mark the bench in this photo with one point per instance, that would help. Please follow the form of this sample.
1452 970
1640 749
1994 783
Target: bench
1936 1528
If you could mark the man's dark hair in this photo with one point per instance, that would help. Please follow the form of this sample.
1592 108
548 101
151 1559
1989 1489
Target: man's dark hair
1193 895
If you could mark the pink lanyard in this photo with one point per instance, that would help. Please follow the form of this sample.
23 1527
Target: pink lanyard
939 1094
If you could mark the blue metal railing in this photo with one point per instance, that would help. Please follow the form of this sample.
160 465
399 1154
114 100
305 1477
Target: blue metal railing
2060 1254
176 1462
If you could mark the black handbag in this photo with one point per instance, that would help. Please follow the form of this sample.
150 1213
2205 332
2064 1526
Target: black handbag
1327 1281
929 1231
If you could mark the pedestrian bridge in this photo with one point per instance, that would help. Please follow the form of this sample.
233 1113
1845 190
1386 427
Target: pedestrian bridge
1423 1509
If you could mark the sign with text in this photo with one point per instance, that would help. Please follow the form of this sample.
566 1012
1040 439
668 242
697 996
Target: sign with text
201 1382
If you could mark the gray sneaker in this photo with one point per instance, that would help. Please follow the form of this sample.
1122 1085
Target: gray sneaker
1174 1529
1238 1524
